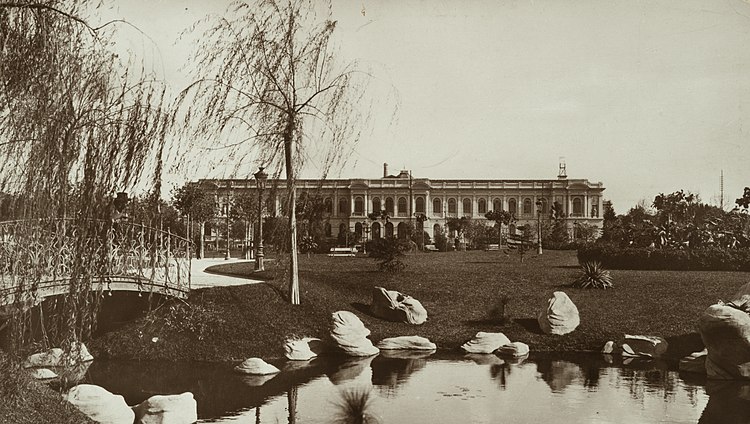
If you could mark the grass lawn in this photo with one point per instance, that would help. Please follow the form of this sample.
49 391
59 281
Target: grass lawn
458 289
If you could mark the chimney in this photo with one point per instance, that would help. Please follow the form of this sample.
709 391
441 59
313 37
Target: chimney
385 170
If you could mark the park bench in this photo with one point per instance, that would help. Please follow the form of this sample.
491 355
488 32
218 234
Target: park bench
342 251
492 247
431 248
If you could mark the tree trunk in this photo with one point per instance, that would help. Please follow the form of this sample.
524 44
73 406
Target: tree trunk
292 187
201 246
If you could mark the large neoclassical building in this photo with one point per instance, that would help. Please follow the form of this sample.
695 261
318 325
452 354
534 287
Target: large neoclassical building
349 201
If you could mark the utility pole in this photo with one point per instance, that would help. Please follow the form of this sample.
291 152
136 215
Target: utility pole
539 227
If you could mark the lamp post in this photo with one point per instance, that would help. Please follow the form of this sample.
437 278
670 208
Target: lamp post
260 178
539 227
366 229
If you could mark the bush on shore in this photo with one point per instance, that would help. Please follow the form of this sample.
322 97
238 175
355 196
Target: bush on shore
647 258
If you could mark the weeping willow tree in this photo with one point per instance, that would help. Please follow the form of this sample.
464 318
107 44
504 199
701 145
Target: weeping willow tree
77 124
267 80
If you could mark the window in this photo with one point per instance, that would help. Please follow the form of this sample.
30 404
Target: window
595 207
402 210
359 206
452 205
328 205
577 206
401 231
512 207
376 204
436 229
527 210
342 229
389 229
466 207
497 205
437 207
358 229
343 206
482 206
389 205
375 230
419 206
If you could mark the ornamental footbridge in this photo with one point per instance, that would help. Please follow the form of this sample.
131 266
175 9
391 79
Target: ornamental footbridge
48 257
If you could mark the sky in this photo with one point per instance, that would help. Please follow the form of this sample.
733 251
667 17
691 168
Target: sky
643 96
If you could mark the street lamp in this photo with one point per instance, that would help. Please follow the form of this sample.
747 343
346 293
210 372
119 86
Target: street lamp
366 229
539 227
260 178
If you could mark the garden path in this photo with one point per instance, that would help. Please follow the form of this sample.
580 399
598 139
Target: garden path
200 278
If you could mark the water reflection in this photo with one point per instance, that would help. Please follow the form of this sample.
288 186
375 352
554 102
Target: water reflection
440 387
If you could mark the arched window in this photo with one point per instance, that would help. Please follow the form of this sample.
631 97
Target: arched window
401 229
437 207
359 206
436 229
343 206
466 206
527 210
328 204
402 209
342 228
497 205
577 206
481 206
389 205
594 206
452 205
419 205
389 229
375 230
376 204
512 207
358 229
328 229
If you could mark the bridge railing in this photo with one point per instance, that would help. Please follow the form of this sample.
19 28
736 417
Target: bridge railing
42 257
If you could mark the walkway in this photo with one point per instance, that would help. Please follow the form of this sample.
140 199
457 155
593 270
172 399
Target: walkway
199 278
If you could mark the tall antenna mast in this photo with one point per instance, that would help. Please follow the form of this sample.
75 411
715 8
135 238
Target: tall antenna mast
721 199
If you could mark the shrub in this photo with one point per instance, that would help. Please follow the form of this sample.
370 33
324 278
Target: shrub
389 252
594 276
705 259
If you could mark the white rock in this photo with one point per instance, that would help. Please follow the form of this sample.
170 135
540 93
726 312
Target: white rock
55 357
167 409
609 347
515 349
42 373
255 366
637 346
350 335
725 331
407 342
100 405
485 342
695 362
396 306
559 315
303 349
50 358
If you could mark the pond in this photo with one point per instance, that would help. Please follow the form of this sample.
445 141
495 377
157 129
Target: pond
440 388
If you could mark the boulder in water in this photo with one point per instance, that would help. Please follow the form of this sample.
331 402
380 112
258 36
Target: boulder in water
255 366
695 362
100 405
485 342
637 346
167 409
725 331
406 342
350 335
515 349
303 349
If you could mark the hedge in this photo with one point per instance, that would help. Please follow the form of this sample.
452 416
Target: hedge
704 259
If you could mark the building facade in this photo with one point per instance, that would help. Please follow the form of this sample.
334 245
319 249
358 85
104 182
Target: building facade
348 202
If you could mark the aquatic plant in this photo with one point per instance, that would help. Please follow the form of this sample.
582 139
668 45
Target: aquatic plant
354 407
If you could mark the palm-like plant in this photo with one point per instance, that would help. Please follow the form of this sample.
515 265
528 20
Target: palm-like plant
354 407
593 275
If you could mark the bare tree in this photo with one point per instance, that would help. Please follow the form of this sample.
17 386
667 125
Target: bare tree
267 70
